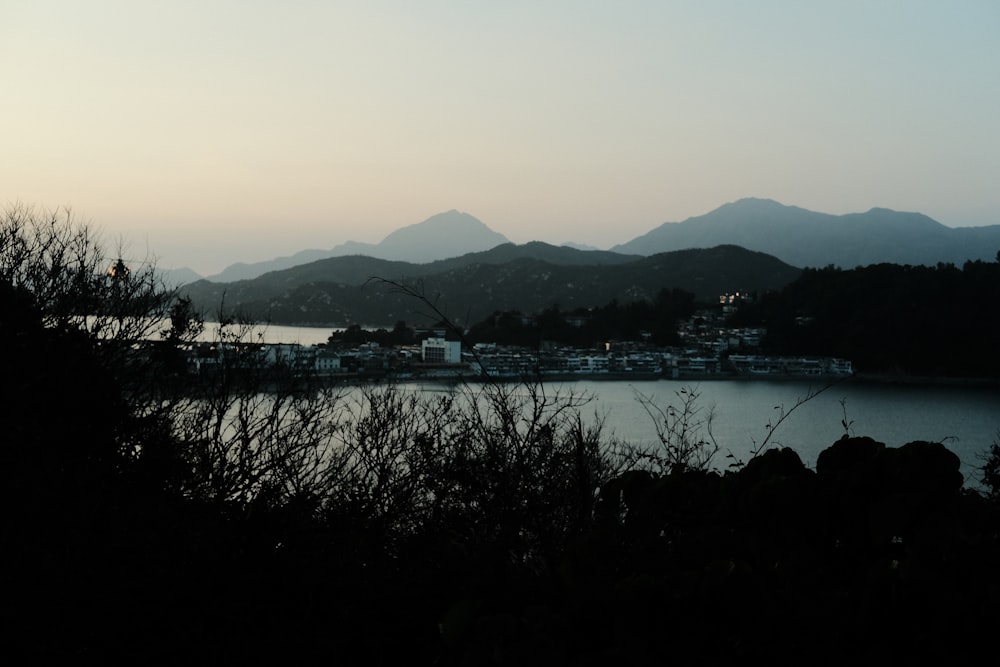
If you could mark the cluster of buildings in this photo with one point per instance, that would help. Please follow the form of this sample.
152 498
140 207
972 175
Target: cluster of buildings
629 360
709 349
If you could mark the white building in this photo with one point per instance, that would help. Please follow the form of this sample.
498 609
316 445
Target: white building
327 362
440 351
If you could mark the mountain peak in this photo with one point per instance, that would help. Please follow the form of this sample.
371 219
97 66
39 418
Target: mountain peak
448 219
440 236
756 205
756 201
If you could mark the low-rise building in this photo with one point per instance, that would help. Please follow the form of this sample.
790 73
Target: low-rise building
327 362
440 351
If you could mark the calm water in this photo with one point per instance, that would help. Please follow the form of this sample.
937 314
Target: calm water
967 420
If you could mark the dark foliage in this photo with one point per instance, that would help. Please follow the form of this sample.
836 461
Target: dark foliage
354 335
889 318
339 292
653 321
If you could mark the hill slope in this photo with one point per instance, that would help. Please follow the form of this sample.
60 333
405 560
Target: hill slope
339 292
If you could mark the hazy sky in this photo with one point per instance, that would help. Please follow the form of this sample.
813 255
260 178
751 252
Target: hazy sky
211 132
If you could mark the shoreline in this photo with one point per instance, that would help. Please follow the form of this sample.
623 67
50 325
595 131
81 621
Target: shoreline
886 379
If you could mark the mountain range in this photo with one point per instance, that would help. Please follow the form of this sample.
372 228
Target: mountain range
472 271
794 235
805 238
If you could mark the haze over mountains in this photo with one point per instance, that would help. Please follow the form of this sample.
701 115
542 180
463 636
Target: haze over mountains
805 238
794 235
751 244
441 236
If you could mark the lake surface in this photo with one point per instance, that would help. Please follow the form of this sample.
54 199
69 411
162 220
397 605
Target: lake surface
966 420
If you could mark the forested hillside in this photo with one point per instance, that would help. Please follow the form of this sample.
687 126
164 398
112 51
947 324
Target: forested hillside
916 320
338 291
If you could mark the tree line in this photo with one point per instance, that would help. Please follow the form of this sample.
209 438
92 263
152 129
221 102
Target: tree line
653 321
920 320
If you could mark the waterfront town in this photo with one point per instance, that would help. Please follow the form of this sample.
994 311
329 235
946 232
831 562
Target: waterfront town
709 350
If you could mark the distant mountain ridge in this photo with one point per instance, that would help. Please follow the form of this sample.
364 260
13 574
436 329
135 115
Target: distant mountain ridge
441 236
338 291
806 238
795 235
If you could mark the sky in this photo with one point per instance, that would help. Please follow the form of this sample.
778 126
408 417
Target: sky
210 132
